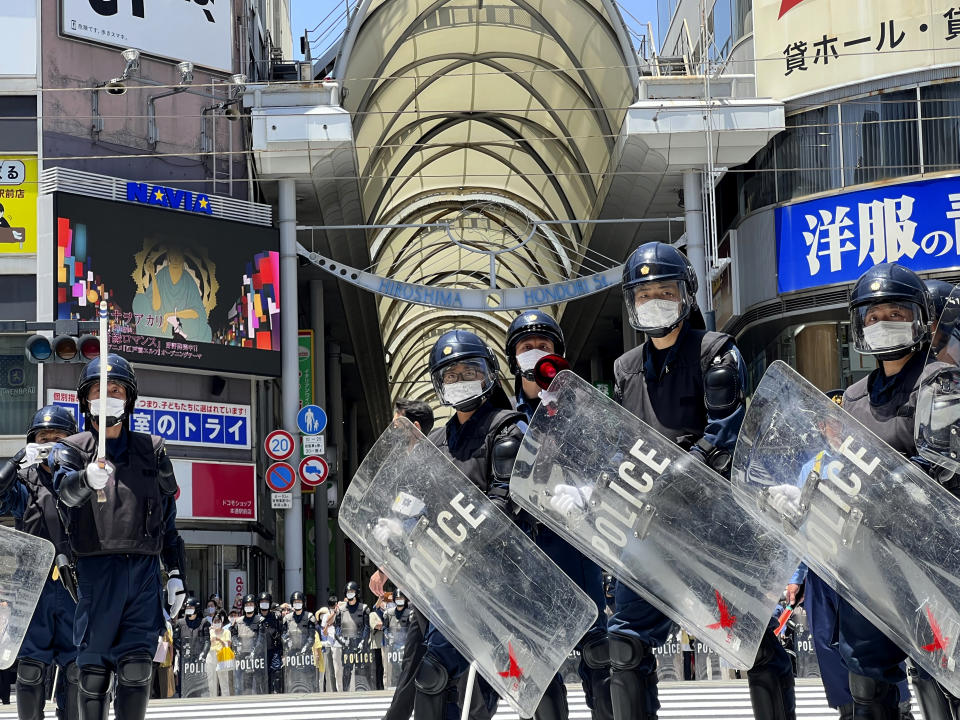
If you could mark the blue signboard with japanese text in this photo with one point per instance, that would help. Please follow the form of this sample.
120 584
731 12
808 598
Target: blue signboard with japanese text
835 239
179 422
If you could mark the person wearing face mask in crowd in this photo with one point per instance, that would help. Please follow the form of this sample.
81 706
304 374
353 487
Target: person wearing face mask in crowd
220 659
687 384
191 638
121 520
352 626
333 658
26 493
271 629
891 311
213 604
532 336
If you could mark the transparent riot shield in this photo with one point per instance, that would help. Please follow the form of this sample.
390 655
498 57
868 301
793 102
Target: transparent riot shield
395 643
653 515
300 674
25 564
250 649
446 544
194 680
863 517
359 666
937 417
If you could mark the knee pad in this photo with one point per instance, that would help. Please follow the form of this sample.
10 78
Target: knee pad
31 672
72 672
432 677
135 671
596 653
626 651
94 680
875 693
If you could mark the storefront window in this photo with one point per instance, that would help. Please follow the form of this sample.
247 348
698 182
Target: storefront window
940 110
18 386
880 137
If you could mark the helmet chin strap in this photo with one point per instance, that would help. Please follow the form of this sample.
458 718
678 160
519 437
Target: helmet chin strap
469 405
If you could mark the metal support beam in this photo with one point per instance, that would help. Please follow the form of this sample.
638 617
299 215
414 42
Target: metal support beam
321 513
693 216
290 381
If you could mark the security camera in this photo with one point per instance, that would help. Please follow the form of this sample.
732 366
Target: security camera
116 87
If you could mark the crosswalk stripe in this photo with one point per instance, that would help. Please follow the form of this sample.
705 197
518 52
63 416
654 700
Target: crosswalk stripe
681 700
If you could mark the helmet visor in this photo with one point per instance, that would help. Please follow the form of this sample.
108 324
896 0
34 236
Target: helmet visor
462 381
656 305
886 327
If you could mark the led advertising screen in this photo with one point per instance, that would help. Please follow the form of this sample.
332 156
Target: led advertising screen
183 289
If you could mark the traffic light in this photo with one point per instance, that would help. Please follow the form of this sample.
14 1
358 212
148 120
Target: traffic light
64 348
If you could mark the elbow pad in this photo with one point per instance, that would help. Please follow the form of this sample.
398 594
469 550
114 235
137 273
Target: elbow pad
74 491
721 385
165 476
8 473
505 451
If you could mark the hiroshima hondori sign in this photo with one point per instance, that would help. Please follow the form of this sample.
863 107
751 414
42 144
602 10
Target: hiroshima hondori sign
471 298
834 239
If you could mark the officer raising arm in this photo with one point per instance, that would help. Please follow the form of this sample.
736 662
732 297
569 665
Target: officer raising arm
26 492
122 523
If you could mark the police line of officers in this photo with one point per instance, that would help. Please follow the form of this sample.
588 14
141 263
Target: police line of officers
113 522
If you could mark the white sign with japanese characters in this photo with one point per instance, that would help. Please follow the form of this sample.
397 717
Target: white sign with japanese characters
196 30
805 46
835 239
179 422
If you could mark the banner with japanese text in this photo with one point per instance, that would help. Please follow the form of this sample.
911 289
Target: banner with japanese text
805 46
18 204
835 239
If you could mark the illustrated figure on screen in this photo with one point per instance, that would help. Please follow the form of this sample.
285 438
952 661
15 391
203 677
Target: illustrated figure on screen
175 293
16 232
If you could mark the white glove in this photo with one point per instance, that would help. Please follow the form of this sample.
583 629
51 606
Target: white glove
566 498
34 454
785 499
385 529
97 476
175 593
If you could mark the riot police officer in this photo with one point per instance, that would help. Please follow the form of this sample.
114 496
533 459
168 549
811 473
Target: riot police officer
531 336
26 493
191 637
352 628
686 383
271 628
121 515
298 633
890 313
481 439
250 637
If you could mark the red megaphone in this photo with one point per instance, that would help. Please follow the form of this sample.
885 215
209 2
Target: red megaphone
547 368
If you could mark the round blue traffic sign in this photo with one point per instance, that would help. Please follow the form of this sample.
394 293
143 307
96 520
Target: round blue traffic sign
313 470
280 476
311 420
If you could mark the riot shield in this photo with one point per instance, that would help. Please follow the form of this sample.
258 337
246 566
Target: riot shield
359 666
447 544
25 563
395 642
250 649
299 663
864 518
194 681
937 416
653 515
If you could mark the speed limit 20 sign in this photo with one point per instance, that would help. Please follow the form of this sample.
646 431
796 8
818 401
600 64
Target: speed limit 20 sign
279 445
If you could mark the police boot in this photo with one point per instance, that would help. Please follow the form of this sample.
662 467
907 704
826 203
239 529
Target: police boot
633 690
435 690
846 711
931 698
94 684
31 689
874 699
71 679
553 704
594 673
133 687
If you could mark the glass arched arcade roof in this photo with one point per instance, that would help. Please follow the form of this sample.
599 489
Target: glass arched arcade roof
487 115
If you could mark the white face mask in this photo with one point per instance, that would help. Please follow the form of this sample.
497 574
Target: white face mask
211 610
191 612
115 407
248 608
217 626
657 313
264 606
351 595
528 360
889 334
456 393
298 606
401 602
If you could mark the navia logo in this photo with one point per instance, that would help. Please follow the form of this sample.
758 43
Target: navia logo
169 198
786 5
110 7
